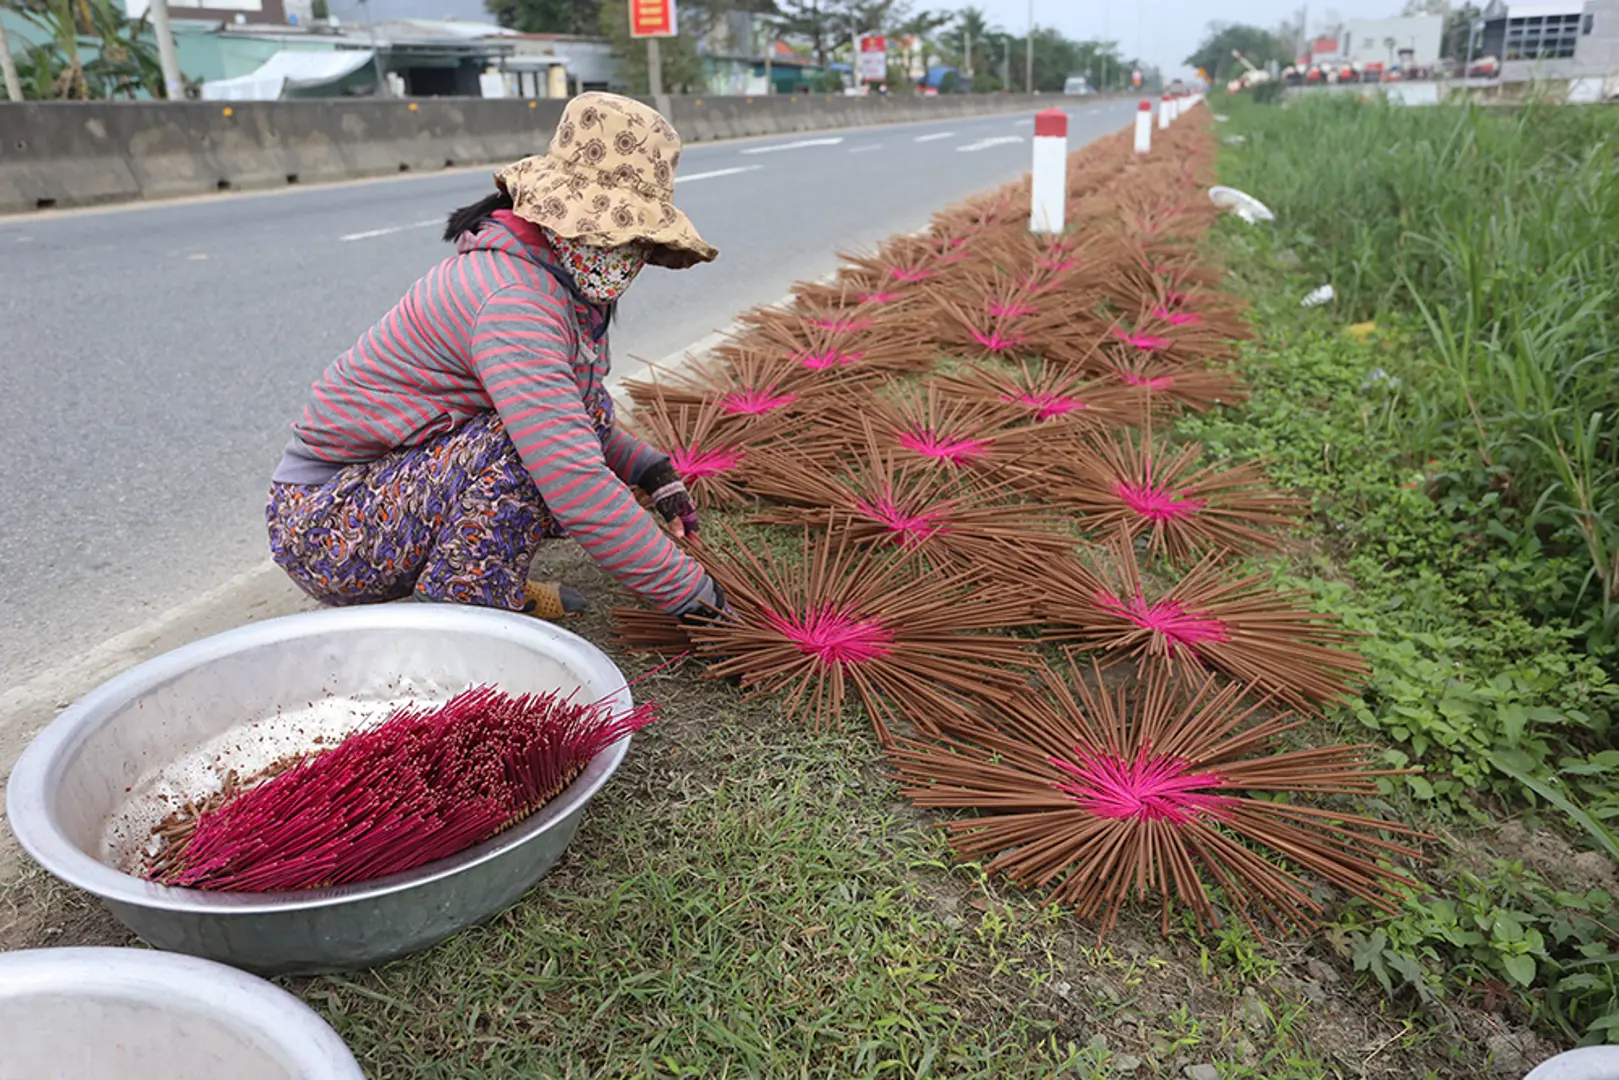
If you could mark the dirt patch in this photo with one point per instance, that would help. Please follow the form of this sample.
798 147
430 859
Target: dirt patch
1553 858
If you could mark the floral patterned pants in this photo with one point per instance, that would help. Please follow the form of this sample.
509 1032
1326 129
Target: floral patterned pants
456 519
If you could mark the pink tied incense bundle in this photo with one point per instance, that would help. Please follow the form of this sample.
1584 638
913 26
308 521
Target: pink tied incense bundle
425 784
706 444
984 316
1106 796
955 521
832 343
741 389
1046 393
843 622
924 427
1209 619
1185 509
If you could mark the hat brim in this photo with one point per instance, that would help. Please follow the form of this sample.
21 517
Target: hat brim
589 206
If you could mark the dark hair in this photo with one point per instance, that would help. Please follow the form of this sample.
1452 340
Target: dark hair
468 218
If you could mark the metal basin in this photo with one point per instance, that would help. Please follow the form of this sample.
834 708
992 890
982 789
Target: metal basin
132 1014
77 773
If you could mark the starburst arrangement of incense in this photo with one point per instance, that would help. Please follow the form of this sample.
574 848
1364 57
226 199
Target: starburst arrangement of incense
1103 796
960 451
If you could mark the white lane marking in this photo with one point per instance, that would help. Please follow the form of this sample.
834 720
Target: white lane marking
716 172
1027 121
835 140
369 233
865 149
935 135
985 144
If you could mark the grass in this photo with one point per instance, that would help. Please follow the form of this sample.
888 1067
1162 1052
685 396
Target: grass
746 899
1498 234
749 900
1491 674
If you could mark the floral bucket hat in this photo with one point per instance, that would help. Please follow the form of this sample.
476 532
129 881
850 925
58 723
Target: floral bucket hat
608 179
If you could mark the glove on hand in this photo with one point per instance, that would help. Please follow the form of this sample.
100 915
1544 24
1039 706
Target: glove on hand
670 497
709 604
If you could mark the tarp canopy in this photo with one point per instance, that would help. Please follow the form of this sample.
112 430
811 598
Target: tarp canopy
289 69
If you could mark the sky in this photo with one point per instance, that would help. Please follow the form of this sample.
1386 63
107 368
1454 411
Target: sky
1164 32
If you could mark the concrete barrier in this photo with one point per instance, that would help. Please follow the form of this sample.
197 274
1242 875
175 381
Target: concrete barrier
61 154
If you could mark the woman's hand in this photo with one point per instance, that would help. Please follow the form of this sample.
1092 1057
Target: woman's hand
707 607
671 499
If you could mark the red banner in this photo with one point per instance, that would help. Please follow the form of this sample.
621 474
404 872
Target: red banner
873 58
652 18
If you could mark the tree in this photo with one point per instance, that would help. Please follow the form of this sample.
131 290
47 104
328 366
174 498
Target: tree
1260 47
1426 7
552 16
1458 28
814 20
123 59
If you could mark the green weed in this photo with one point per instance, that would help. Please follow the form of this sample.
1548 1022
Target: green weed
1498 234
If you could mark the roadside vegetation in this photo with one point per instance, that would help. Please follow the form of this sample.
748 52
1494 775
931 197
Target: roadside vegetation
755 900
1455 412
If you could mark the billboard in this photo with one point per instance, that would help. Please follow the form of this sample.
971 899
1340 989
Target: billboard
873 58
652 18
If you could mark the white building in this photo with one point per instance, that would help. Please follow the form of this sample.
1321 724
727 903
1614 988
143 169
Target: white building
1410 41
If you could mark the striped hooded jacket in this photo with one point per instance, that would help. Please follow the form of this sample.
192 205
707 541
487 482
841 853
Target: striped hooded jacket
492 328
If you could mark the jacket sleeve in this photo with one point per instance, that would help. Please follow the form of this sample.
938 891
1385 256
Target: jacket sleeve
628 456
520 348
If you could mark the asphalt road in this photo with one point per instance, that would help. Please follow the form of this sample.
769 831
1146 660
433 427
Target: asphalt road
153 356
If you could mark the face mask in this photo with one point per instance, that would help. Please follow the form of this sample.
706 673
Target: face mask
602 274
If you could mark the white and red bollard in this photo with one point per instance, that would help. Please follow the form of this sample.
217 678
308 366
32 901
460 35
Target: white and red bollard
1049 190
1165 107
1144 128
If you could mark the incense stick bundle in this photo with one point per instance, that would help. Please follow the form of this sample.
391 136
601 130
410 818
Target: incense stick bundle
830 347
954 520
1148 791
1208 618
1185 510
706 445
1046 393
839 622
423 785
744 387
1160 385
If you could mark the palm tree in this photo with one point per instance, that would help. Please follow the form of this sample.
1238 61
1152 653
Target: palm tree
972 30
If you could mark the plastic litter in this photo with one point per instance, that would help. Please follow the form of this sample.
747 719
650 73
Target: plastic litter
1240 203
1317 297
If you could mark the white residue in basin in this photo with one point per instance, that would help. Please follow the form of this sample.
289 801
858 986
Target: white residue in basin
248 749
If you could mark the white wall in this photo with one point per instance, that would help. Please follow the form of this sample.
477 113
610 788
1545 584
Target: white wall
136 8
1419 32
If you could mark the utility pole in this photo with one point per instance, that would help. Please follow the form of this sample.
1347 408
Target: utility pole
967 47
173 88
654 67
8 68
1028 52
1006 63
770 54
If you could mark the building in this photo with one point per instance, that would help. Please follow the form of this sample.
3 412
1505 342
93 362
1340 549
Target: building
1561 39
1408 42
1325 50
239 12
398 58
